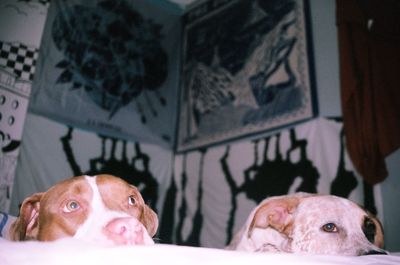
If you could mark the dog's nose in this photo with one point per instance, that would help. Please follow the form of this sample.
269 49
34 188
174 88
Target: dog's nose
375 252
125 231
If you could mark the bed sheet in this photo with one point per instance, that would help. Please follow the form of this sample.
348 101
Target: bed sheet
70 251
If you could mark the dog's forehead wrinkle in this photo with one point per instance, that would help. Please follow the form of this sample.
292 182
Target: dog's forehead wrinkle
330 209
58 193
330 206
115 192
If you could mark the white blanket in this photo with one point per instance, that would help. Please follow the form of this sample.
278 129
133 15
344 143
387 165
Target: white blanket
74 252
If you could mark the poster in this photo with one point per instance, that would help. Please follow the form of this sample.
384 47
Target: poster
110 67
246 69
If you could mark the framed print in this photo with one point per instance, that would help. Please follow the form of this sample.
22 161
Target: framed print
246 69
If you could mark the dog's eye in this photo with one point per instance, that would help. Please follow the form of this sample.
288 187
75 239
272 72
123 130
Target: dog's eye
330 228
71 206
131 200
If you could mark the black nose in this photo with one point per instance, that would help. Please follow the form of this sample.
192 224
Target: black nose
375 252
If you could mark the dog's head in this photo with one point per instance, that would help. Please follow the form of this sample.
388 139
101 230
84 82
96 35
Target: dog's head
319 224
103 208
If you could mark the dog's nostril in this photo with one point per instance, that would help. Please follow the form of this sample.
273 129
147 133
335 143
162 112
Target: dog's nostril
119 226
122 230
125 231
375 252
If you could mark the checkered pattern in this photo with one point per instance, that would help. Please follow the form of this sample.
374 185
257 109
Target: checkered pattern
19 58
43 2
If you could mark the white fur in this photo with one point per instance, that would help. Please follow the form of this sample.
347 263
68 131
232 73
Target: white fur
307 235
91 229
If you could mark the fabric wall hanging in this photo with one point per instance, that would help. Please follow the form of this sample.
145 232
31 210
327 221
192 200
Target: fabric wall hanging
156 72
202 197
63 152
214 189
111 67
246 68
21 25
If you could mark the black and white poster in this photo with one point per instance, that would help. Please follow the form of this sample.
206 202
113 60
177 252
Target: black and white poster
110 66
247 68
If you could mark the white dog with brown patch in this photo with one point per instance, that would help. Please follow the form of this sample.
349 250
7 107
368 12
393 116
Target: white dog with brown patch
310 223
103 209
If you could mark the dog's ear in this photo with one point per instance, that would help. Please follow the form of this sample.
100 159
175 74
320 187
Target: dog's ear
275 213
150 220
379 241
375 231
26 225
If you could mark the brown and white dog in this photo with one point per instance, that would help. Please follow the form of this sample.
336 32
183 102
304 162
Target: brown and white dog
100 209
310 223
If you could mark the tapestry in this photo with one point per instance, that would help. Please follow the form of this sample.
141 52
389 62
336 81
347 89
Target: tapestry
64 151
110 66
246 68
201 197
214 189
21 25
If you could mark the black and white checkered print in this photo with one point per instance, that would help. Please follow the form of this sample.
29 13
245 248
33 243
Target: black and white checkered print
19 58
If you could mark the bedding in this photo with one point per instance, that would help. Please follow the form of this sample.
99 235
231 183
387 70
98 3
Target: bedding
71 251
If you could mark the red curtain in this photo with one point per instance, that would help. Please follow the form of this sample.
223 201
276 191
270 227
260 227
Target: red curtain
369 53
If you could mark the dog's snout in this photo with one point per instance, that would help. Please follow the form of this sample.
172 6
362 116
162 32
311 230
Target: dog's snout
375 252
125 231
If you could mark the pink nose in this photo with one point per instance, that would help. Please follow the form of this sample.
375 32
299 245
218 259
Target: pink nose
125 231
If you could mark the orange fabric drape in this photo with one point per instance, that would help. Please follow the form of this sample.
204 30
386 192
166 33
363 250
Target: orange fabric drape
369 56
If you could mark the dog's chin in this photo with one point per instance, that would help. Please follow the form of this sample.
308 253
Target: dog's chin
268 248
374 252
315 249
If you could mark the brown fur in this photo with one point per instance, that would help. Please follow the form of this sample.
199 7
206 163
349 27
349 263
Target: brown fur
43 216
117 200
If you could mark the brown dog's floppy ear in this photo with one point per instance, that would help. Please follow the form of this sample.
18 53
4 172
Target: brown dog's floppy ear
275 213
150 220
26 225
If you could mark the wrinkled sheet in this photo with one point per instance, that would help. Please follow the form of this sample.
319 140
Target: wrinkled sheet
70 251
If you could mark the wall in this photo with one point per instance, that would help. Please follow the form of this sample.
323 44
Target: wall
326 56
390 197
